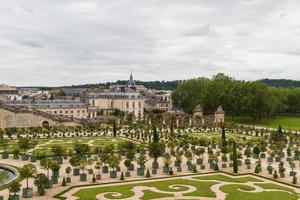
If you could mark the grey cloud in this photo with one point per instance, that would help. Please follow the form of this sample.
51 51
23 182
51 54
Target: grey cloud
63 42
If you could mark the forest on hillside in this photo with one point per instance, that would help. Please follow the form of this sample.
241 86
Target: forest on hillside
251 98
285 83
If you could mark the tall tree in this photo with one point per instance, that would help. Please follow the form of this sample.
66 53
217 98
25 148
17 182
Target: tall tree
234 157
114 128
155 135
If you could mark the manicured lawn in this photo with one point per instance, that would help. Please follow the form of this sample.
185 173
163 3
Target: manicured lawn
236 189
273 186
236 192
203 190
228 179
286 121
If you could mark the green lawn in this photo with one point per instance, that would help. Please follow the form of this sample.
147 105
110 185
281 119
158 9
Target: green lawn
224 178
236 189
286 121
203 190
236 192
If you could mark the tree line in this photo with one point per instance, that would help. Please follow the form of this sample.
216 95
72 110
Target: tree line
237 97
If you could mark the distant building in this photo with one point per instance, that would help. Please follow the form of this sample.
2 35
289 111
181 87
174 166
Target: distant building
159 100
6 89
75 92
129 102
219 116
198 111
130 84
67 108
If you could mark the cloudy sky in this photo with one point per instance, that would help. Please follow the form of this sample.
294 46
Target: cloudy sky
63 42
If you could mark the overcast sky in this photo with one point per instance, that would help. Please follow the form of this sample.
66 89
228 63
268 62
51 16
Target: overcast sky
63 42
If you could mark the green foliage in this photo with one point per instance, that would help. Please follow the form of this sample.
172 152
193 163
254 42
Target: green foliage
57 150
253 99
114 128
156 149
216 167
81 149
275 175
148 175
64 182
68 170
94 178
40 181
257 169
14 187
27 171
122 177
234 157
295 179
24 143
195 169
155 135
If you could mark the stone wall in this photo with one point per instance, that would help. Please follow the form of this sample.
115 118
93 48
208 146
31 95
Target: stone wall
26 119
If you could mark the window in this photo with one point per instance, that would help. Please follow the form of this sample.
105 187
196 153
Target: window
60 112
66 112
93 102
140 105
127 105
133 105
55 112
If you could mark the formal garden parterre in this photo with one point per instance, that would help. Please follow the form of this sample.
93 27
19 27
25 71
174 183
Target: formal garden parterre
55 160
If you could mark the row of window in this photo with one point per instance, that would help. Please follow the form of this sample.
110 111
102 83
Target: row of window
67 112
134 105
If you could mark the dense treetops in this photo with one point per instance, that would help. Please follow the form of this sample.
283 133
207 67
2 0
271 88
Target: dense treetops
285 83
237 97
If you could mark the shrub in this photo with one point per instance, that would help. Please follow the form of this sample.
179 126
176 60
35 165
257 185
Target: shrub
94 178
122 178
148 173
275 175
64 182
195 169
294 180
216 167
256 169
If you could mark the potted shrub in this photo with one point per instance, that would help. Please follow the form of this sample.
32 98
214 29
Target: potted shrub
113 162
26 172
168 160
90 162
141 161
55 168
98 168
104 158
74 161
188 155
16 153
58 153
68 170
33 144
46 164
4 143
41 180
14 188
83 175
24 143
